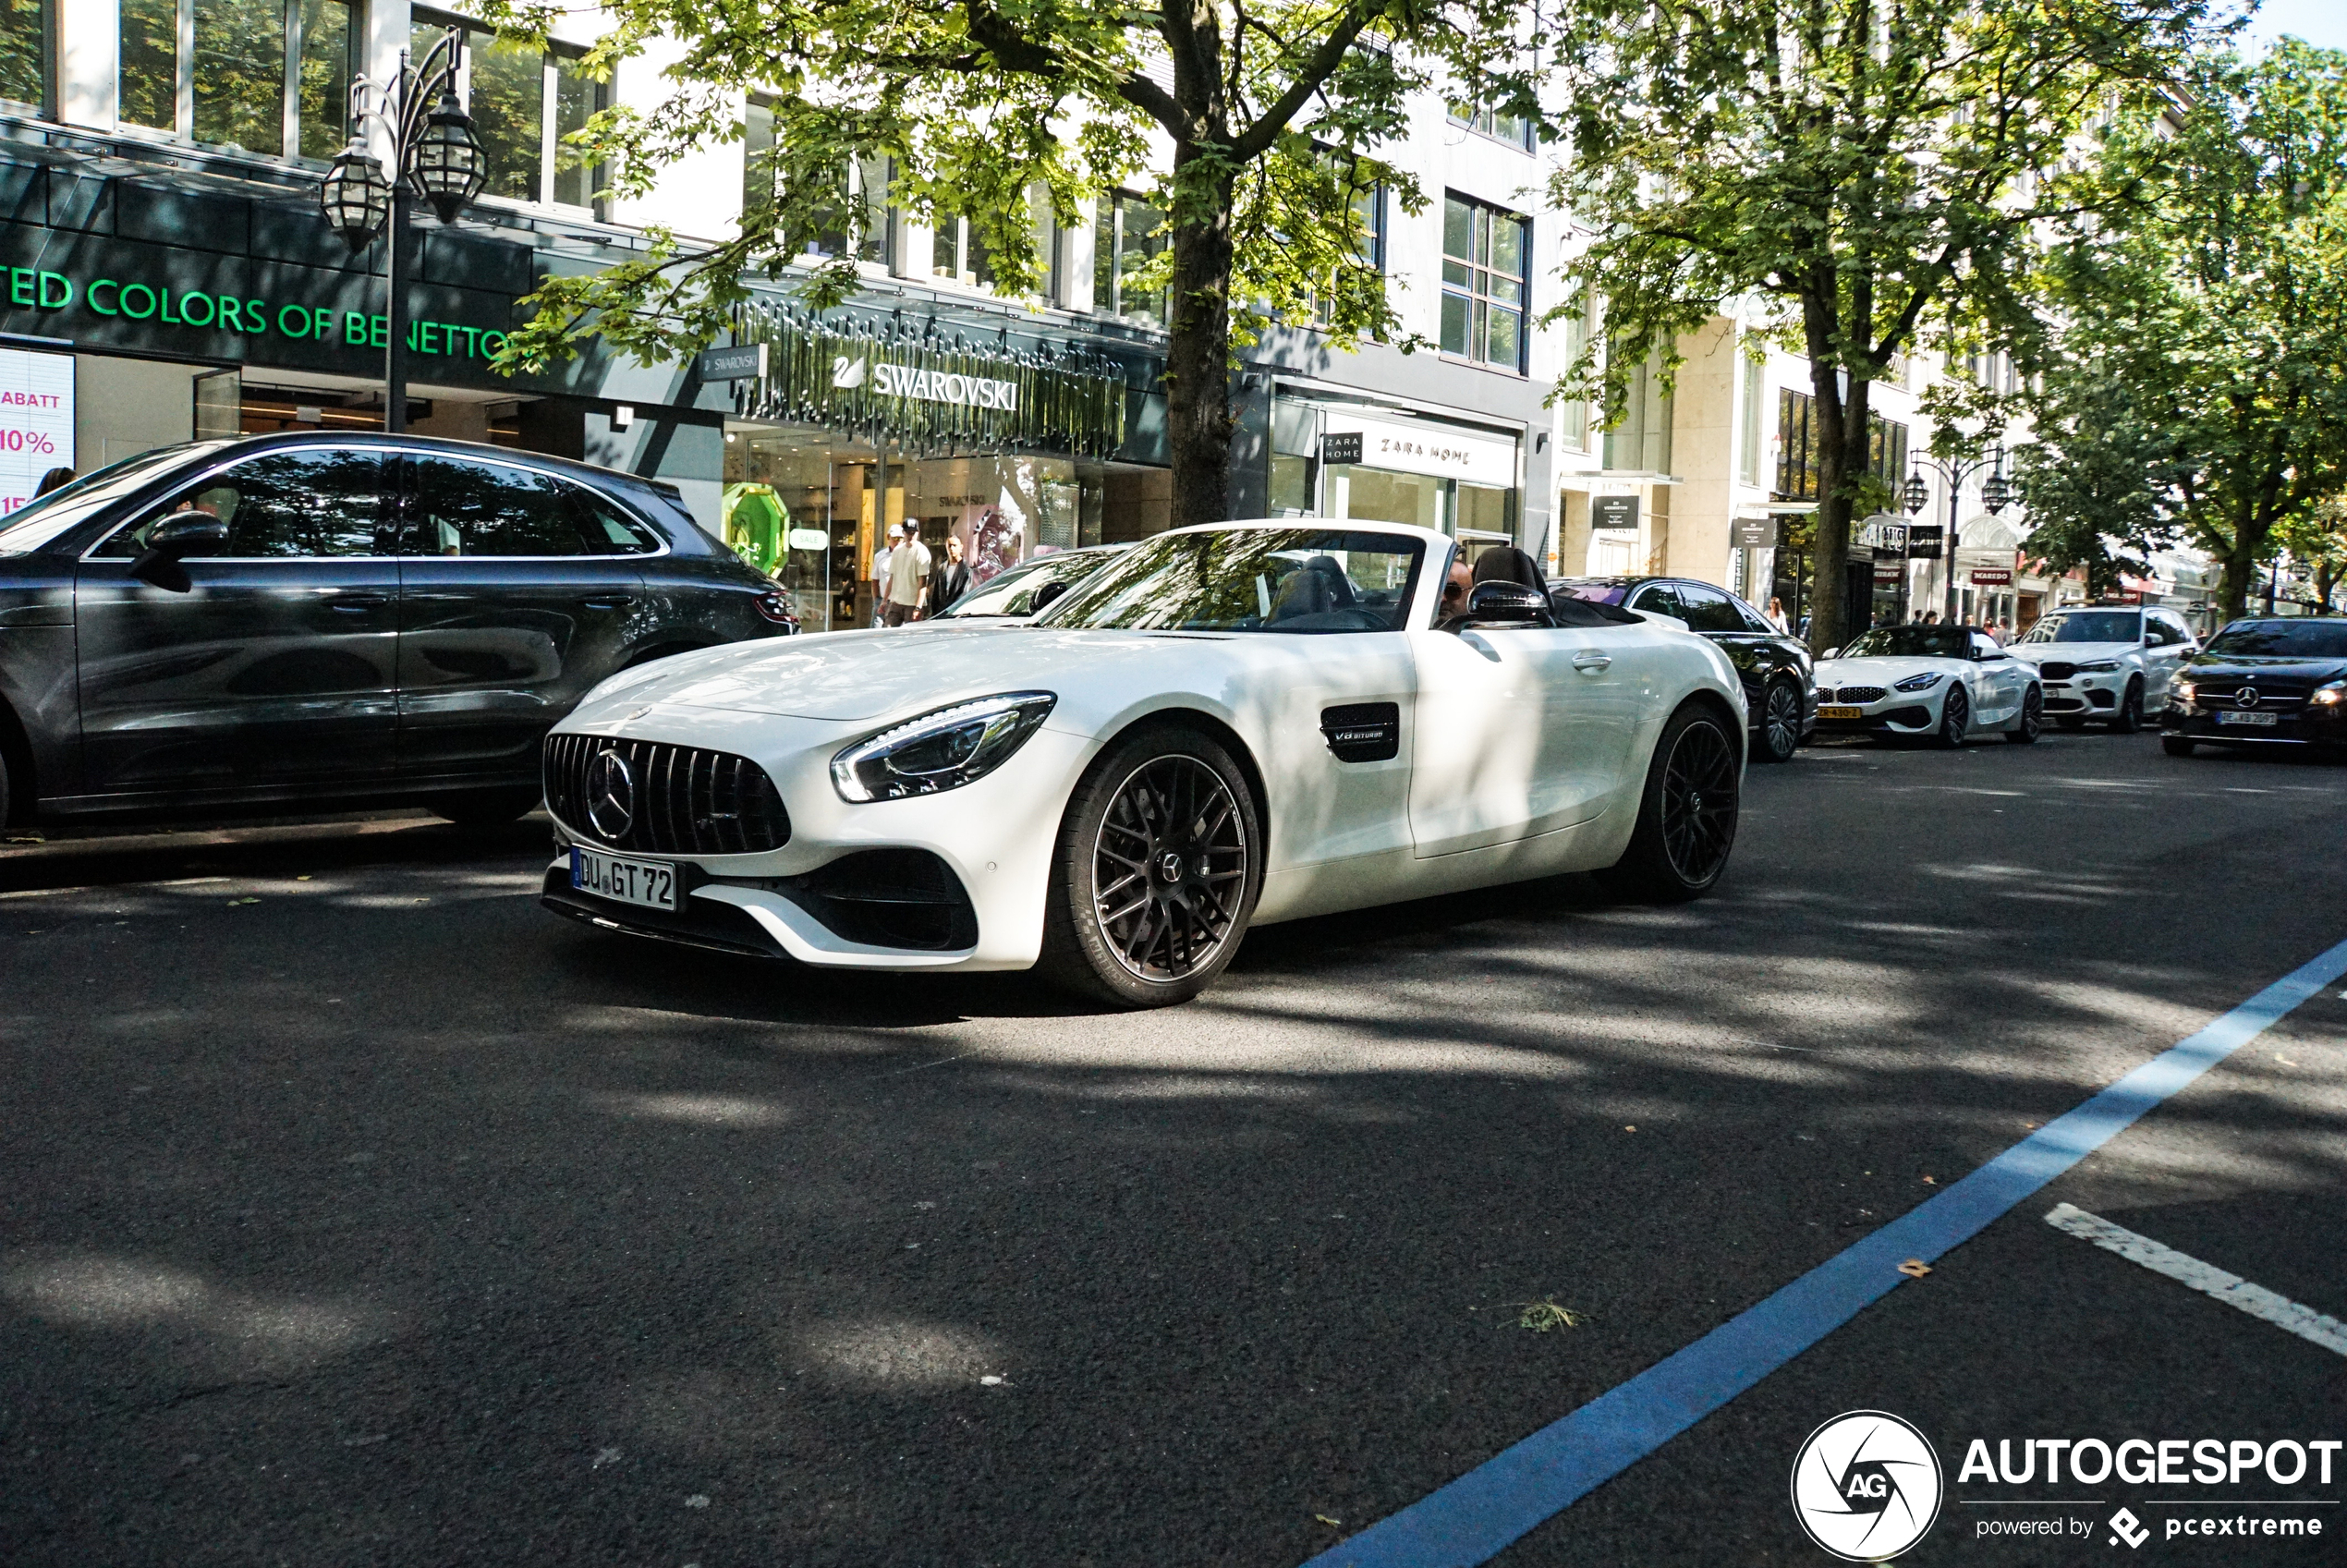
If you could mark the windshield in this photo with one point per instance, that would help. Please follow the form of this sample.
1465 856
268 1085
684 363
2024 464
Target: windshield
2283 639
1911 642
2090 625
1251 580
1012 592
37 522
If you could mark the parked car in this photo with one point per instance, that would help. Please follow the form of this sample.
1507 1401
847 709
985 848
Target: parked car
301 618
1948 682
2105 663
2267 683
1022 592
1228 725
1779 685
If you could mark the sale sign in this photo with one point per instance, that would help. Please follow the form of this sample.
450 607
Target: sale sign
36 421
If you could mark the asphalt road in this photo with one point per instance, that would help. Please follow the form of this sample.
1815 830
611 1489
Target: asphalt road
354 1211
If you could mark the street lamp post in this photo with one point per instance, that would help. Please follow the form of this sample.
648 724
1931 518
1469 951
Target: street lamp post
1994 492
438 158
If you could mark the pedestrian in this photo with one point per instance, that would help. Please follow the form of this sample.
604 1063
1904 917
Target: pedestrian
1776 616
909 575
880 574
1931 617
953 578
55 478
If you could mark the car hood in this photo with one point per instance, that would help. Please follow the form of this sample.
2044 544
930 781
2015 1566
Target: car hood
2217 666
866 675
2070 653
1883 670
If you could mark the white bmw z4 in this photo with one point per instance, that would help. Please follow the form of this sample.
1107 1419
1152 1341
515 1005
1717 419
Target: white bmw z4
1227 726
1948 682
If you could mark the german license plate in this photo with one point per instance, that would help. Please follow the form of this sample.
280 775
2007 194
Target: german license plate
1838 711
646 883
2262 720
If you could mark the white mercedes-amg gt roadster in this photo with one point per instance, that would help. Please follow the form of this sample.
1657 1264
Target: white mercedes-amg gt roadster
1228 725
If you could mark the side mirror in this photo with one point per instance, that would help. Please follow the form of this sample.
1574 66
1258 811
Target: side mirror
1830 653
183 534
1044 596
1508 605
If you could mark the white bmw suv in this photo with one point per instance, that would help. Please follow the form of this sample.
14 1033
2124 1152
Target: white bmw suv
2107 663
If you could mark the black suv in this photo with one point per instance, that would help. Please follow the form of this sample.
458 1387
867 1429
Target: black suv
1779 685
2280 682
298 618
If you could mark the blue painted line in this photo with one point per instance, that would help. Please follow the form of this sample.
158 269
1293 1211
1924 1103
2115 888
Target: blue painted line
1473 1518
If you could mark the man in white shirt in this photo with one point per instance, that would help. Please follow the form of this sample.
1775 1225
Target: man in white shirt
908 569
880 556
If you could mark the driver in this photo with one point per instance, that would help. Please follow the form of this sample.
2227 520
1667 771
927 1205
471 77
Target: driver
1451 614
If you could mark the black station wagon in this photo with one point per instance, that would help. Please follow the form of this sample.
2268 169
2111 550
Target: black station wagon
301 618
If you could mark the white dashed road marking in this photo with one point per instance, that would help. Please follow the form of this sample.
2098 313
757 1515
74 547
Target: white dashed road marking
2207 1279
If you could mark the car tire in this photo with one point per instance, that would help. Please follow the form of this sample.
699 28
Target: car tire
1680 846
2032 721
1779 735
2073 723
1173 934
484 809
2175 745
1955 719
2130 716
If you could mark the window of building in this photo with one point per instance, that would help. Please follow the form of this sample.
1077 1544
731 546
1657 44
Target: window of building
1639 442
24 51
1514 129
1572 414
227 85
1797 447
958 255
523 101
1484 253
1369 248
1128 235
862 225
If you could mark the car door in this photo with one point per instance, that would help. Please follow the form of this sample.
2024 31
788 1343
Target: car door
1998 683
276 666
1710 612
1522 730
2163 651
516 599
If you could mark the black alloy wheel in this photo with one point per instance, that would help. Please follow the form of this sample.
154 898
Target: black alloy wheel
1156 872
1780 724
2130 717
2032 723
1956 718
1687 817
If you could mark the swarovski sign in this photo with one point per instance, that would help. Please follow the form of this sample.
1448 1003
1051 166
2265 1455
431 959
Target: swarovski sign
923 386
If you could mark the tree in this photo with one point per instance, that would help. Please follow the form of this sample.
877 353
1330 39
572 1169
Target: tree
2199 373
1863 169
1265 118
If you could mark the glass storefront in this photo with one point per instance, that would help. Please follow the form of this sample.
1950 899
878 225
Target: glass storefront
1453 479
809 506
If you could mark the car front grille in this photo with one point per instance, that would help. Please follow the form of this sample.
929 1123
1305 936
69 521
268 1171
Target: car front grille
682 800
2055 669
2269 700
1852 694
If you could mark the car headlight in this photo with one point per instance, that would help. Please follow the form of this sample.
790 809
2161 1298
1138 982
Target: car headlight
2100 667
941 750
1924 682
2331 694
2185 690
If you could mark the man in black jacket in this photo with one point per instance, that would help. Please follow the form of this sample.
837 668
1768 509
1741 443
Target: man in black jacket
951 582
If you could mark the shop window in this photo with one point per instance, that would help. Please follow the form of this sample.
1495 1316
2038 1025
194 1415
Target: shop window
1129 236
24 51
1514 129
1484 253
227 88
862 223
523 101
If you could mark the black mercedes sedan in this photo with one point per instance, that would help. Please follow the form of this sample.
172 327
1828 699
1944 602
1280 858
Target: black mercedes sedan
2262 683
301 618
1780 687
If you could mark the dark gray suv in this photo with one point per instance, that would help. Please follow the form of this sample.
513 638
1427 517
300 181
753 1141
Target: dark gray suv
301 618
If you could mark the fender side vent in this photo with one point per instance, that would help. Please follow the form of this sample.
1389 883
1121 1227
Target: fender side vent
1363 731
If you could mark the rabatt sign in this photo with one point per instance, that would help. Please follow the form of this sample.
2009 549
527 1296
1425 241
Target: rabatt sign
928 391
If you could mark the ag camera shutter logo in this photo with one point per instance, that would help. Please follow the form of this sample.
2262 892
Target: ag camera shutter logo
1866 1486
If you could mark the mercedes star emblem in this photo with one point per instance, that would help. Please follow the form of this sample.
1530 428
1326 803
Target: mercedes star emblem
2246 697
611 795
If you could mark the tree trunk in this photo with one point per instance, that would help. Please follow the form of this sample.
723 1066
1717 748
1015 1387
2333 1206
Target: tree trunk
1198 372
1834 421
